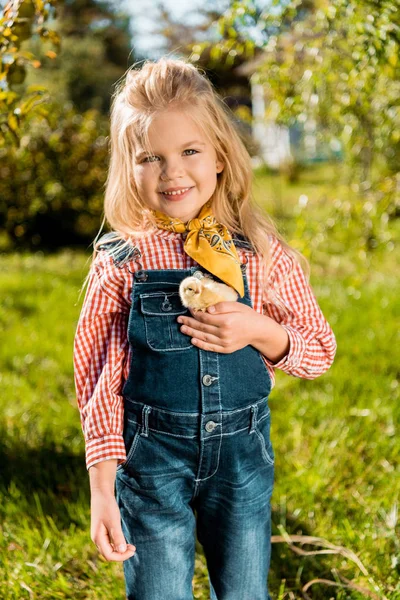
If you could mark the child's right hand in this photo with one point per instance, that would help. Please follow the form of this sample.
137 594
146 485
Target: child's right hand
105 529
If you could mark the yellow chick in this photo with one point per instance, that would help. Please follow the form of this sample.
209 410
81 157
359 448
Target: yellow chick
199 294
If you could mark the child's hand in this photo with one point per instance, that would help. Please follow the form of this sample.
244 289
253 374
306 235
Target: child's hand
229 327
105 530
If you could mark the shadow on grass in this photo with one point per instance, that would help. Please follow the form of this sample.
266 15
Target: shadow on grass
53 475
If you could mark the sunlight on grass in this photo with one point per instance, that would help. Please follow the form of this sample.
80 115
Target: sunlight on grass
337 452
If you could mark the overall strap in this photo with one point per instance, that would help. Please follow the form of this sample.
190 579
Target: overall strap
120 251
241 241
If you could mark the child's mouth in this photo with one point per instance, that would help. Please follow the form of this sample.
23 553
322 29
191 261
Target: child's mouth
175 196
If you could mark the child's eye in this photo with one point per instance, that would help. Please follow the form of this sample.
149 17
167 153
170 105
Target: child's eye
149 158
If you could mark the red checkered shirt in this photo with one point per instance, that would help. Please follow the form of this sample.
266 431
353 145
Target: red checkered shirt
102 352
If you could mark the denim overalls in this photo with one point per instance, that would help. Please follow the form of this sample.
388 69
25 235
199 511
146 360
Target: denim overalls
199 456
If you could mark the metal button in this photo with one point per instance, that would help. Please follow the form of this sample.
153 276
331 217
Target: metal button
198 274
208 379
210 426
141 276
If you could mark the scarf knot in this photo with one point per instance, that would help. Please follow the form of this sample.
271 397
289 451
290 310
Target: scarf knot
196 225
209 243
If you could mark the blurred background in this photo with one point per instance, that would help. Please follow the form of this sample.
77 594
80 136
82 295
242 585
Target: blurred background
314 90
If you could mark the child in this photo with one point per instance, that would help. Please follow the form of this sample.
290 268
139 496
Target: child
174 402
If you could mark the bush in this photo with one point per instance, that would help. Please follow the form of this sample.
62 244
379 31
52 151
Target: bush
51 187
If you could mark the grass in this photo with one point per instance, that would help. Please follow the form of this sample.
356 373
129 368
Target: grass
337 452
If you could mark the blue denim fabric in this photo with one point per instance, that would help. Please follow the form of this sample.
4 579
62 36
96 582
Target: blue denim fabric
199 455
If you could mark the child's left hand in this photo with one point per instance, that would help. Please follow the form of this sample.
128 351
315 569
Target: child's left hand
230 327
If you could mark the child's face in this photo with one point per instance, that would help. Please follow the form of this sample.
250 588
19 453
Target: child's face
181 157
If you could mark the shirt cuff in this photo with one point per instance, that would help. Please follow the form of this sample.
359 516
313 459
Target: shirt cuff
294 357
104 448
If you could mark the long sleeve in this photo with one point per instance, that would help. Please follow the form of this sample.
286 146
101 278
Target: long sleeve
100 351
312 341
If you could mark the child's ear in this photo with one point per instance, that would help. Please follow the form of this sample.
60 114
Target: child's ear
220 166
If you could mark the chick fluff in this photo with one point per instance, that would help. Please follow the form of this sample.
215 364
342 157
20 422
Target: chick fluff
199 294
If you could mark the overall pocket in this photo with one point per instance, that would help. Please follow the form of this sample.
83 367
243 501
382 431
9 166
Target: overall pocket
262 430
160 311
132 432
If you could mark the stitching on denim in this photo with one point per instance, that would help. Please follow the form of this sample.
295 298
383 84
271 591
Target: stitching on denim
197 481
264 451
266 370
163 314
220 435
132 449
145 420
267 414
194 415
220 411
152 294
143 297
188 437
191 437
169 412
226 434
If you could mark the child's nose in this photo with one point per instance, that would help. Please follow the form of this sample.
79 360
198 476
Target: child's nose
172 169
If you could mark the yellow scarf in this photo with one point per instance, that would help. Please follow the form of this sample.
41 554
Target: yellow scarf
209 243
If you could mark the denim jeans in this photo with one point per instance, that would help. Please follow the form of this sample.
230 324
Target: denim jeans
199 455
182 463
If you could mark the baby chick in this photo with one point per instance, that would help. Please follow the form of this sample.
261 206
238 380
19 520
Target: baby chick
199 294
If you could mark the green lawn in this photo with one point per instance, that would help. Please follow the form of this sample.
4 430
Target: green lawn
337 452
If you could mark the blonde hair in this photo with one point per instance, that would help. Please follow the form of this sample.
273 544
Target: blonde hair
174 83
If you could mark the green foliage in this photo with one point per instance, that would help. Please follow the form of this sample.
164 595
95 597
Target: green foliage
21 20
335 62
51 186
198 41
94 53
54 128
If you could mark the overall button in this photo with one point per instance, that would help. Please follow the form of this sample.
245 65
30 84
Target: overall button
210 426
208 379
141 276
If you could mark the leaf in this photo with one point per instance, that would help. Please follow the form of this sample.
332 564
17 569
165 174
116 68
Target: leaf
31 89
12 122
51 54
28 104
26 54
53 37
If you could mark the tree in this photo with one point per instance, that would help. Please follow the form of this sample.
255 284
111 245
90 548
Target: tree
339 61
96 50
200 41
52 174
21 19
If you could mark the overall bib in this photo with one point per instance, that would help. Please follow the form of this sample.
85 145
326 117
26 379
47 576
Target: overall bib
199 456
